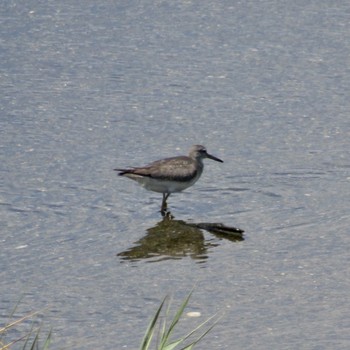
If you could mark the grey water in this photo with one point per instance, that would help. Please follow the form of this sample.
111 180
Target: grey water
89 86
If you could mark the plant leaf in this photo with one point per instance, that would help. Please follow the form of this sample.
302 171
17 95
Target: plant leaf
150 330
175 320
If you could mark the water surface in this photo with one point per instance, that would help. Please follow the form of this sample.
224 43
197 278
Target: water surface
264 85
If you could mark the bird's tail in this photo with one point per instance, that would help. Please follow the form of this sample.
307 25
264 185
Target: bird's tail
123 171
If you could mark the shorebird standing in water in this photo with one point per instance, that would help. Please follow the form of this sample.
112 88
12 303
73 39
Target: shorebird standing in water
170 175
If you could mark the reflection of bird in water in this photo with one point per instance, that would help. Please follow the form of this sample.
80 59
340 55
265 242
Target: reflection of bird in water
175 239
169 239
170 175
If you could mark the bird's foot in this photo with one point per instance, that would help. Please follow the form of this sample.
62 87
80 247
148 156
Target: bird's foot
167 215
164 207
164 210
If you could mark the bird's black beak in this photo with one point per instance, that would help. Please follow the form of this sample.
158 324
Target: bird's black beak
214 158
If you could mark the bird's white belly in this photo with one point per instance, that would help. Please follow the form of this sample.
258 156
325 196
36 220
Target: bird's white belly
163 186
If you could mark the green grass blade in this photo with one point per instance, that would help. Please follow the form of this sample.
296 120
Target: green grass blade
172 346
179 313
150 330
30 338
20 320
165 332
35 341
189 346
8 346
48 340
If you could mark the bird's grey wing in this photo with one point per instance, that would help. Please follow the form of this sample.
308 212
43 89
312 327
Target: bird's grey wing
177 169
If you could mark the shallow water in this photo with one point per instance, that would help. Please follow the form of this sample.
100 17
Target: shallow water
88 87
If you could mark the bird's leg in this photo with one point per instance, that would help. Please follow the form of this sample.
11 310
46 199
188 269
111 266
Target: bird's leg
164 205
